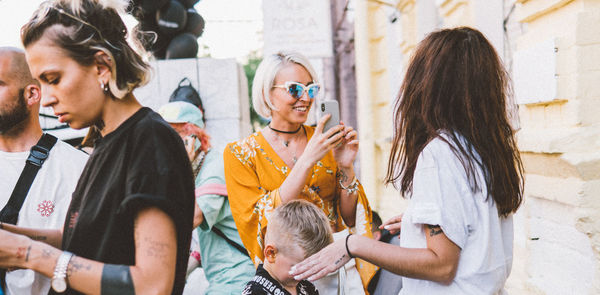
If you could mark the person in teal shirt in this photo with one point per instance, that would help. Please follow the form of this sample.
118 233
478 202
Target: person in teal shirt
225 262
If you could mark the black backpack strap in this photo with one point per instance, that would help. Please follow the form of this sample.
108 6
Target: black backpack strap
229 241
10 213
37 156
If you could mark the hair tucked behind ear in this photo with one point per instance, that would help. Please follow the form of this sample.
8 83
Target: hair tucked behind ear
456 83
82 28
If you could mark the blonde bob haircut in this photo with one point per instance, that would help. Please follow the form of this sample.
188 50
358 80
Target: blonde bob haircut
264 78
301 224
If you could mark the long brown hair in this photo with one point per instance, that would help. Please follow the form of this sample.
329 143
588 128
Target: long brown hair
456 84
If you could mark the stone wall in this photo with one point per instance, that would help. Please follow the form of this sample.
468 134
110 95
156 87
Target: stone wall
556 231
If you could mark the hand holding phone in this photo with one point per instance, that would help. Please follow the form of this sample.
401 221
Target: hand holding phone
329 107
322 143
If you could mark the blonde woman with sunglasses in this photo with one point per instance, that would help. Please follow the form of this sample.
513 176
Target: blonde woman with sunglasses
128 226
288 160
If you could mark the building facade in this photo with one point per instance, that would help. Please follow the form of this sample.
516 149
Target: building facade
552 50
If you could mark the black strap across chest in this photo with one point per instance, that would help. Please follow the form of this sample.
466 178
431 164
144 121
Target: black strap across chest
229 241
37 156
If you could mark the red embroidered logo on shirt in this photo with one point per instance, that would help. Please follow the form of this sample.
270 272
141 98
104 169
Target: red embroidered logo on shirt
45 208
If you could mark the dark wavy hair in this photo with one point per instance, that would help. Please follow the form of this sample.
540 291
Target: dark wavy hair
87 27
456 84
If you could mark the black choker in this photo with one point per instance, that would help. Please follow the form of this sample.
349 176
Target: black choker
286 132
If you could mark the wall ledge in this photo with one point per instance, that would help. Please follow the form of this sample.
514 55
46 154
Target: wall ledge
528 11
559 140
447 7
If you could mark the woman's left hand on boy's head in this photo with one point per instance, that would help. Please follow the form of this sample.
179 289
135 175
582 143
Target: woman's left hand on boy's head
345 152
326 261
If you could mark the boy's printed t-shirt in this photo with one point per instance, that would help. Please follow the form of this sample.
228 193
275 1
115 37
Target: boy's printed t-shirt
264 284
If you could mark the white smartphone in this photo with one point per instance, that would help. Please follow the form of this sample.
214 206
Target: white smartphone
329 107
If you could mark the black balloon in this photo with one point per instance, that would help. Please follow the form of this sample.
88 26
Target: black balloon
171 18
188 3
195 23
183 45
149 7
152 39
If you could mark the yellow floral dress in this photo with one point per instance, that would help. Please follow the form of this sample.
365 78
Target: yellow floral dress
253 175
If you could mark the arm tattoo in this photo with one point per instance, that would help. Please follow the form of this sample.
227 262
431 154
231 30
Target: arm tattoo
39 238
340 174
116 279
156 249
435 230
75 265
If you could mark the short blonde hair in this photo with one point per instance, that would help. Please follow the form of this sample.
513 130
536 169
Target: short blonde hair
299 223
264 78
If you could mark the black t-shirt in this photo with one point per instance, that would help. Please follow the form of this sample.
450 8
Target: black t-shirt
140 164
264 284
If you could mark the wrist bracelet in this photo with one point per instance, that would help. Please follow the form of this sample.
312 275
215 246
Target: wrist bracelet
348 249
352 187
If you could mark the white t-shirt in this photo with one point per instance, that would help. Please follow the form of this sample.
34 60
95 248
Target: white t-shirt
442 196
46 203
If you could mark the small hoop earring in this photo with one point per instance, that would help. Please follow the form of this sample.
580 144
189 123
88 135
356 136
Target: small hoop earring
104 87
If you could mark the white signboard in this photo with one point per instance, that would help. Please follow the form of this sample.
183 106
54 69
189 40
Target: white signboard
303 26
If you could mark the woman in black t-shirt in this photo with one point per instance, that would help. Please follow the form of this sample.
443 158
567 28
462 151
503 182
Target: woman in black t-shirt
130 219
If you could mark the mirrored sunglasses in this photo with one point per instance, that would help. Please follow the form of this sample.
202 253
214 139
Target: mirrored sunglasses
296 90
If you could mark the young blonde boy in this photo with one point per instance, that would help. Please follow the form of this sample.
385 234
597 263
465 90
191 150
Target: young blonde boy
296 230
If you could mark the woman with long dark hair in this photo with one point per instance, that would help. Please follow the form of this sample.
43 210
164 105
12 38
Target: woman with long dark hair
128 227
454 156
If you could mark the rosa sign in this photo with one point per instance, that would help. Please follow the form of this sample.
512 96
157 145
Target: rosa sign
303 26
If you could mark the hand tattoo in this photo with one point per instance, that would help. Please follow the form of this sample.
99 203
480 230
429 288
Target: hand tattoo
46 253
27 255
21 251
340 260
